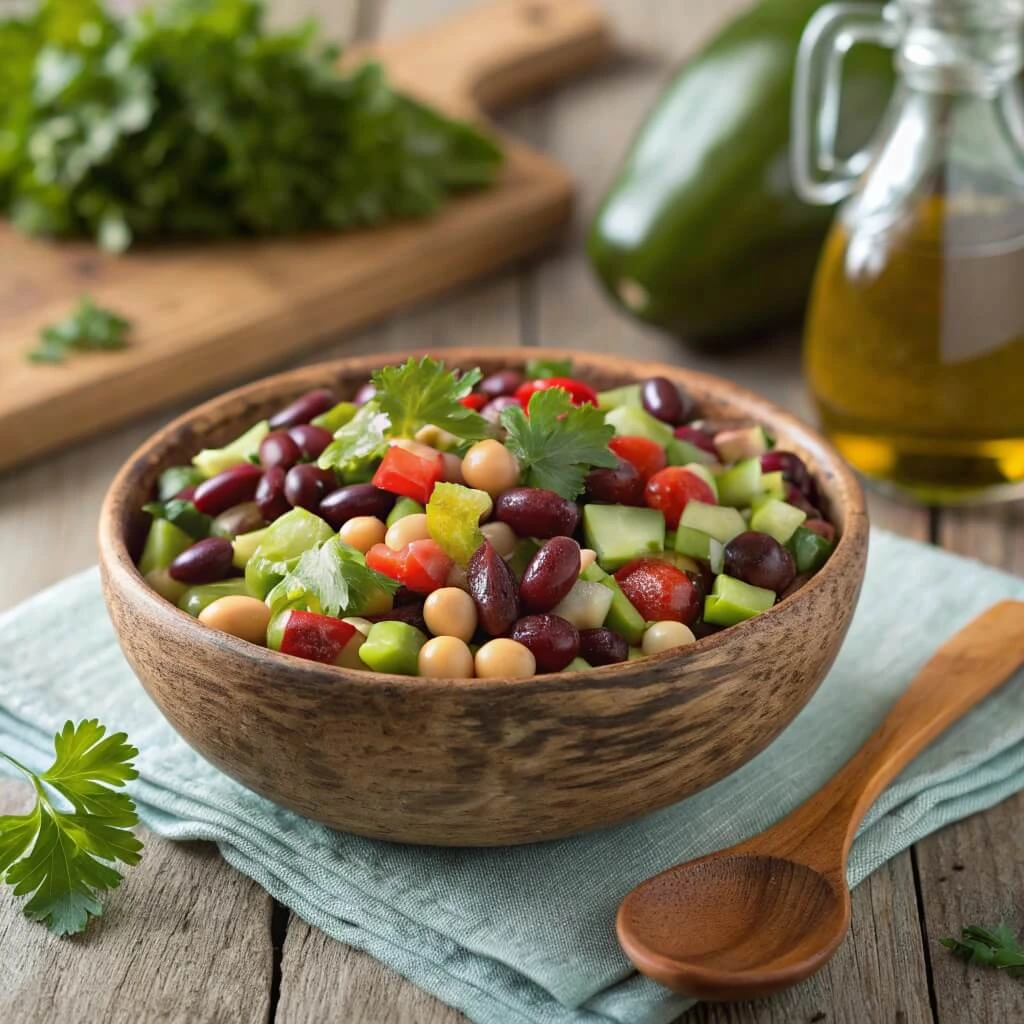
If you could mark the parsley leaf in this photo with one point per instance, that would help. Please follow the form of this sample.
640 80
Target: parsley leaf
558 443
332 579
64 859
183 514
421 392
539 369
88 328
990 947
362 439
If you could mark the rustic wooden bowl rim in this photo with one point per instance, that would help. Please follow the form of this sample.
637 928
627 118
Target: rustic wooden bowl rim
123 499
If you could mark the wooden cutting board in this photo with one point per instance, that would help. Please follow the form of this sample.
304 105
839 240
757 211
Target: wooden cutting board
207 315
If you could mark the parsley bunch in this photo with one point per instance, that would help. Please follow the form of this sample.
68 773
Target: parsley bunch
90 328
190 118
990 947
63 859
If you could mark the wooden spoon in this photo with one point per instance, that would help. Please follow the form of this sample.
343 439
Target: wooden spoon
760 916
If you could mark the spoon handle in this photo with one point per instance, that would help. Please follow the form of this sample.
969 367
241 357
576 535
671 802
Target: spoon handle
966 668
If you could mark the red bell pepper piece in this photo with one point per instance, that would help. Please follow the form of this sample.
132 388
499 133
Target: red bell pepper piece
421 566
409 474
315 637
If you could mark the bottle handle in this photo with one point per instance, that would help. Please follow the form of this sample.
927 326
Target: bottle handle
820 175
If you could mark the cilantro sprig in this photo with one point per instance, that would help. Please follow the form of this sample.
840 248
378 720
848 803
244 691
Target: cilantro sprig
63 857
90 328
996 947
558 443
332 579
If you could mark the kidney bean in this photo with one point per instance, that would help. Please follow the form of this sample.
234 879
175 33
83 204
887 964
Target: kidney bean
356 500
552 640
303 409
698 438
238 519
792 466
492 586
493 409
602 646
504 382
664 401
207 561
270 494
535 512
550 574
306 485
278 448
619 485
231 487
310 440
364 394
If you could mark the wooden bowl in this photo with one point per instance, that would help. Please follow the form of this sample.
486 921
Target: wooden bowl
465 761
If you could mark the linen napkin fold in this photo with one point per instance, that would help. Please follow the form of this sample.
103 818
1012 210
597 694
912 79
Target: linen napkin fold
525 935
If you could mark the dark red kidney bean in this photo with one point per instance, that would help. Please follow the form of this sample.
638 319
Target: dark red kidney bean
702 629
798 581
356 500
492 586
792 466
821 528
698 438
619 485
603 647
303 409
664 401
760 560
535 512
310 440
270 494
306 485
410 613
238 519
504 382
278 448
231 487
364 394
493 409
550 574
797 498
207 561
553 641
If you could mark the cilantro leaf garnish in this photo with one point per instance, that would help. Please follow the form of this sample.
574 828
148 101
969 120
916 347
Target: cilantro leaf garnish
422 391
62 860
332 579
558 443
88 328
361 439
539 369
990 947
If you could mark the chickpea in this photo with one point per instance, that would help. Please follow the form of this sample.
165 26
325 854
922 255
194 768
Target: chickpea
505 659
450 611
446 657
502 537
362 532
588 556
491 467
406 530
663 636
241 616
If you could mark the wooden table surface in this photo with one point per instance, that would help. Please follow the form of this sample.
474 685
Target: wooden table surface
188 939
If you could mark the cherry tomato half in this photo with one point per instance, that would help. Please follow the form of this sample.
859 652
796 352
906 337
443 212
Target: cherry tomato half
579 393
474 402
646 456
660 591
671 490
406 473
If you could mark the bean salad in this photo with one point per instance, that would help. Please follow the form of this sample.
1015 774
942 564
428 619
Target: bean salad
448 524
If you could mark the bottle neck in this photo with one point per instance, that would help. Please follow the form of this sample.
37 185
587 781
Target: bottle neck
953 46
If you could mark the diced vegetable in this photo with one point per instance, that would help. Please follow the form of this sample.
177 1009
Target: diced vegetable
777 519
585 606
632 421
164 543
719 521
211 461
619 533
738 485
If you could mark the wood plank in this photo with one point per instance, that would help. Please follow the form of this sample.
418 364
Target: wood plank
185 939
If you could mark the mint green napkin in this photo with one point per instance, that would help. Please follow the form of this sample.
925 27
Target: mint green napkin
524 935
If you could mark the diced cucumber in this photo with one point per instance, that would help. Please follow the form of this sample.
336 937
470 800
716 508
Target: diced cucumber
404 507
732 601
719 521
622 615
164 543
682 453
741 443
777 519
245 544
620 533
586 605
738 485
632 421
705 474
211 461
692 543
716 555
614 398
774 484
810 550
593 573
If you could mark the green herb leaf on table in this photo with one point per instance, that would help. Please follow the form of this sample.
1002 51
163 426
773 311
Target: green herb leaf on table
183 514
90 328
540 369
422 392
558 443
332 579
996 947
63 858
